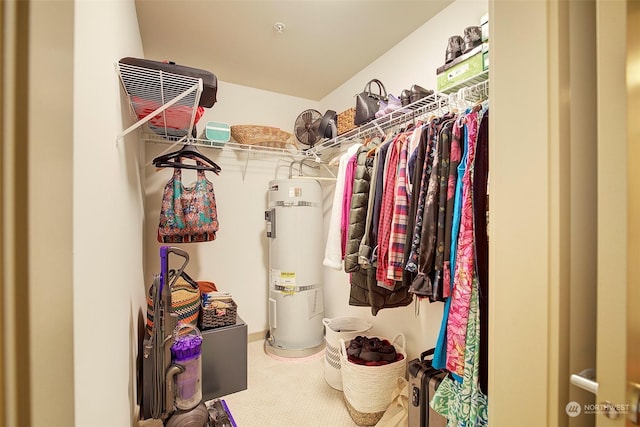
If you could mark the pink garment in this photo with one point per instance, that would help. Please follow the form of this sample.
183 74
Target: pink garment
400 216
346 201
332 250
464 269
386 214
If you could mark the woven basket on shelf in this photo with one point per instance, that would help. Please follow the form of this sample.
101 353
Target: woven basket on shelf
346 120
212 317
263 136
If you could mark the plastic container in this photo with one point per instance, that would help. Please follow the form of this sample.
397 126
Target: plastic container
186 352
217 133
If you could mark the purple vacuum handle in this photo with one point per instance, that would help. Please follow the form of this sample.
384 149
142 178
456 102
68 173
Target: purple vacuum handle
164 263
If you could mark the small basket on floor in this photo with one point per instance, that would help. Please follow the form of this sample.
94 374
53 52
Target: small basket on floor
216 316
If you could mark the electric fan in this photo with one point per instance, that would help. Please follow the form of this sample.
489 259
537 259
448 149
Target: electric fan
311 126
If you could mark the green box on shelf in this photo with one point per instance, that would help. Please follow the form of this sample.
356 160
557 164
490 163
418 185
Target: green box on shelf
216 133
485 56
464 68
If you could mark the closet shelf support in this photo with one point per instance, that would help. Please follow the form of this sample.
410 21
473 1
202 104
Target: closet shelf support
198 90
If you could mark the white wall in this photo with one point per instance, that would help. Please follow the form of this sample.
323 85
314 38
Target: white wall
412 61
108 216
415 59
238 259
42 157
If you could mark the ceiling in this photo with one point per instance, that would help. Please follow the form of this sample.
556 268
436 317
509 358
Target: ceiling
324 43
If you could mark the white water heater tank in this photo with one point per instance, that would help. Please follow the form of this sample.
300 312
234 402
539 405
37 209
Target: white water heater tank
294 228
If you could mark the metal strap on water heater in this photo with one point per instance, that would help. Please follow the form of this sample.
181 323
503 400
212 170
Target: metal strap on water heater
282 203
285 288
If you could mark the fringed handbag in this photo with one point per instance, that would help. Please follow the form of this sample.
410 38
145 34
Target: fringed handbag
188 214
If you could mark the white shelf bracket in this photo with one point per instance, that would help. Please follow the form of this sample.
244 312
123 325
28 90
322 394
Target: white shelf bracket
136 125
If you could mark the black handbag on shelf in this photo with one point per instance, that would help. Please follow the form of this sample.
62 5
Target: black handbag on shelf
368 102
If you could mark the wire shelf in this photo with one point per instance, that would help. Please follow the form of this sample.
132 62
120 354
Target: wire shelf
151 92
288 151
471 91
145 87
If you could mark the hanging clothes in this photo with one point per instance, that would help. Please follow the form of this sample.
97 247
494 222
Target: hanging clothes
423 283
386 214
377 203
464 269
440 354
364 286
357 209
462 402
333 248
430 146
454 161
443 214
399 219
480 221
365 251
417 198
350 172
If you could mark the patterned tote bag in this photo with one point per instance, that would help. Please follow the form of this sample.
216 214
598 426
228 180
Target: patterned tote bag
188 214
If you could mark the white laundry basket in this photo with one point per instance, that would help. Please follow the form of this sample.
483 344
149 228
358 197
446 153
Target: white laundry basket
335 329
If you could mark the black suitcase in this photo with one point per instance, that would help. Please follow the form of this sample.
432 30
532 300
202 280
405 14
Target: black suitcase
209 80
423 382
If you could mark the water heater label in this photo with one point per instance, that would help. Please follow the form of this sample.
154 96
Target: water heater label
284 281
295 192
287 278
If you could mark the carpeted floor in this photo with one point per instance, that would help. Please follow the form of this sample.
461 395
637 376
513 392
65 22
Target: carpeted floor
287 393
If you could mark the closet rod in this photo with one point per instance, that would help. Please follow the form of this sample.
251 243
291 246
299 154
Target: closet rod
473 91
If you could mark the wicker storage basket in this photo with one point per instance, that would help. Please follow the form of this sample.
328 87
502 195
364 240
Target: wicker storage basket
368 389
346 120
336 328
215 317
263 136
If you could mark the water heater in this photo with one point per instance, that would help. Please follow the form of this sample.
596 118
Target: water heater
294 230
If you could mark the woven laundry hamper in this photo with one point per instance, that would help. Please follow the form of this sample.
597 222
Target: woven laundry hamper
368 389
335 329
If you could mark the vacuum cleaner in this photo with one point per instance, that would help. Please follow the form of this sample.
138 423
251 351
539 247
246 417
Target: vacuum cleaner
163 395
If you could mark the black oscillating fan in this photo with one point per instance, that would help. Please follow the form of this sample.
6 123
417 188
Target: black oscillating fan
311 126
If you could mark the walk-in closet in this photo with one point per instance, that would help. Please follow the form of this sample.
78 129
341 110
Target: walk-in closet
463 254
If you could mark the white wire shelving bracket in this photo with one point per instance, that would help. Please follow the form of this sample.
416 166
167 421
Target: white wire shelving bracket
151 92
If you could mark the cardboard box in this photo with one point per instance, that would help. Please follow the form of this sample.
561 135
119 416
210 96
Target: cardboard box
485 56
484 25
461 69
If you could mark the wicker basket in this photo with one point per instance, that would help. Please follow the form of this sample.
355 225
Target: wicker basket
336 328
212 317
363 418
368 389
263 136
346 120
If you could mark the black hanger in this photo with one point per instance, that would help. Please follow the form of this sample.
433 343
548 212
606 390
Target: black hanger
173 160
185 276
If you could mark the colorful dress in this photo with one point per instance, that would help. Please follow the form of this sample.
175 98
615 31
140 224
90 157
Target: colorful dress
463 403
464 268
